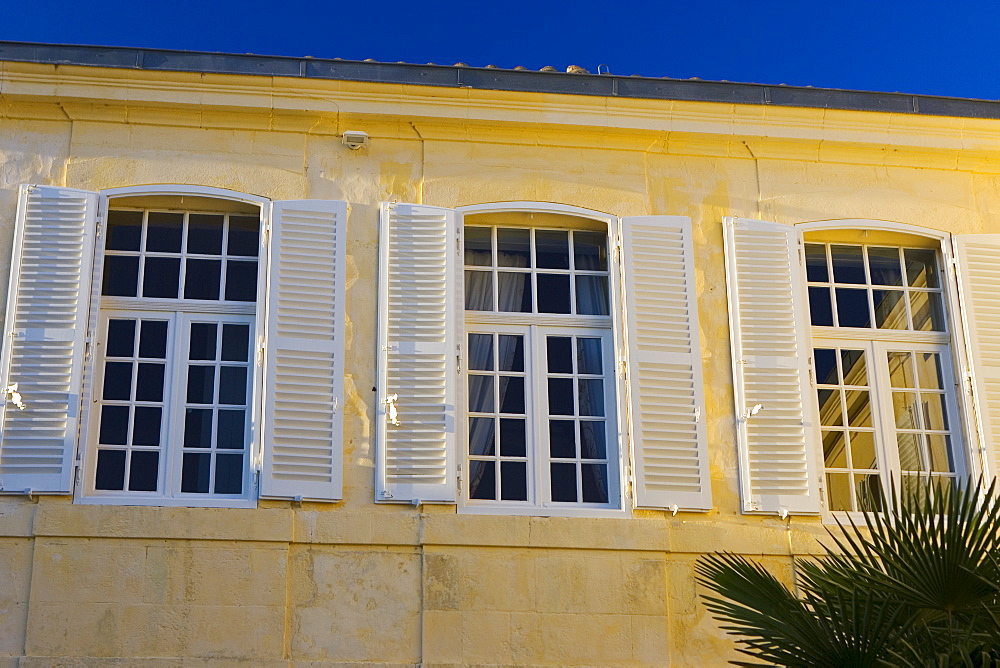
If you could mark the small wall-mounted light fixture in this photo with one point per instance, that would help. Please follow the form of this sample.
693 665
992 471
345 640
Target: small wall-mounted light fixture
355 139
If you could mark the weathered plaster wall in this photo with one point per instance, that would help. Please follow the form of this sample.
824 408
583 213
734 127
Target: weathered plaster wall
354 582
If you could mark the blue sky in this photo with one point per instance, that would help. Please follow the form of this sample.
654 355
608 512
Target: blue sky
920 46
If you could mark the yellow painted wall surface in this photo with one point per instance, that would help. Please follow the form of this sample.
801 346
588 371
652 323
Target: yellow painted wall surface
353 582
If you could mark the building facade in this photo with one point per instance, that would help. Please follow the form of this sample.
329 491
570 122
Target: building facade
322 362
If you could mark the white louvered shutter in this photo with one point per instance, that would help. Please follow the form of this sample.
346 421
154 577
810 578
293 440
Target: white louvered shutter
769 324
665 391
979 284
304 351
418 354
45 336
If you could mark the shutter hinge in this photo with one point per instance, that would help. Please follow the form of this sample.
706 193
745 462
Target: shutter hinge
459 478
386 494
458 357
260 350
76 474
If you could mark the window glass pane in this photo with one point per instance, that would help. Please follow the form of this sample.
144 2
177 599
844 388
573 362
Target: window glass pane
591 295
929 371
114 425
853 362
195 472
201 384
830 414
562 439
591 396
512 394
900 370
512 438
890 309
243 235
201 279
921 268
160 277
838 491
863 450
928 314
859 408
110 470
153 339
228 474
563 482
514 481
124 230
233 385
820 307
551 249
553 293
592 442
121 338
513 248
904 408
481 352
163 232
241 281
235 343
590 251
511 352
479 246
560 396
834 450
910 456
935 413
848 264
885 267
559 354
478 291
482 436
939 449
869 493
481 394
142 471
202 344
121 276
852 308
198 428
826 366
816 269
595 483
230 434
482 480
204 234
117 381
514 292
149 382
146 425
588 355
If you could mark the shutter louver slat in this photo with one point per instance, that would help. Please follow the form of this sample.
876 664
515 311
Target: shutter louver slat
417 354
665 391
304 351
771 349
45 337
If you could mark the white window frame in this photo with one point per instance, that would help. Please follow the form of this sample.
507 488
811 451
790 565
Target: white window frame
625 467
87 447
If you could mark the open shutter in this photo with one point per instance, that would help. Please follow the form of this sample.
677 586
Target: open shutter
665 391
304 351
418 354
978 258
769 324
45 337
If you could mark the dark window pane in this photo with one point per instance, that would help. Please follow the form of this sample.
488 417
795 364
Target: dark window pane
204 234
124 230
482 480
514 481
551 249
563 482
560 396
595 483
869 493
820 306
848 264
816 269
146 425
481 436
114 425
110 470
243 235
143 471
201 279
928 314
884 266
153 339
591 295
921 268
588 356
163 232
201 384
830 414
202 344
853 363
559 354
195 472
233 385
235 343
160 276
513 248
826 366
121 338
117 381
852 308
590 250
241 281
479 246
591 396
149 382
229 474
510 349
512 394
562 439
481 394
512 440
198 428
481 352
121 276
232 427
592 441
478 291
890 309
514 292
553 293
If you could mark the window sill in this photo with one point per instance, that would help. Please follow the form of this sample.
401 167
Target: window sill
94 500
536 511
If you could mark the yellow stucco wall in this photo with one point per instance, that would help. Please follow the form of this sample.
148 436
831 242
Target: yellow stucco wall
330 584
